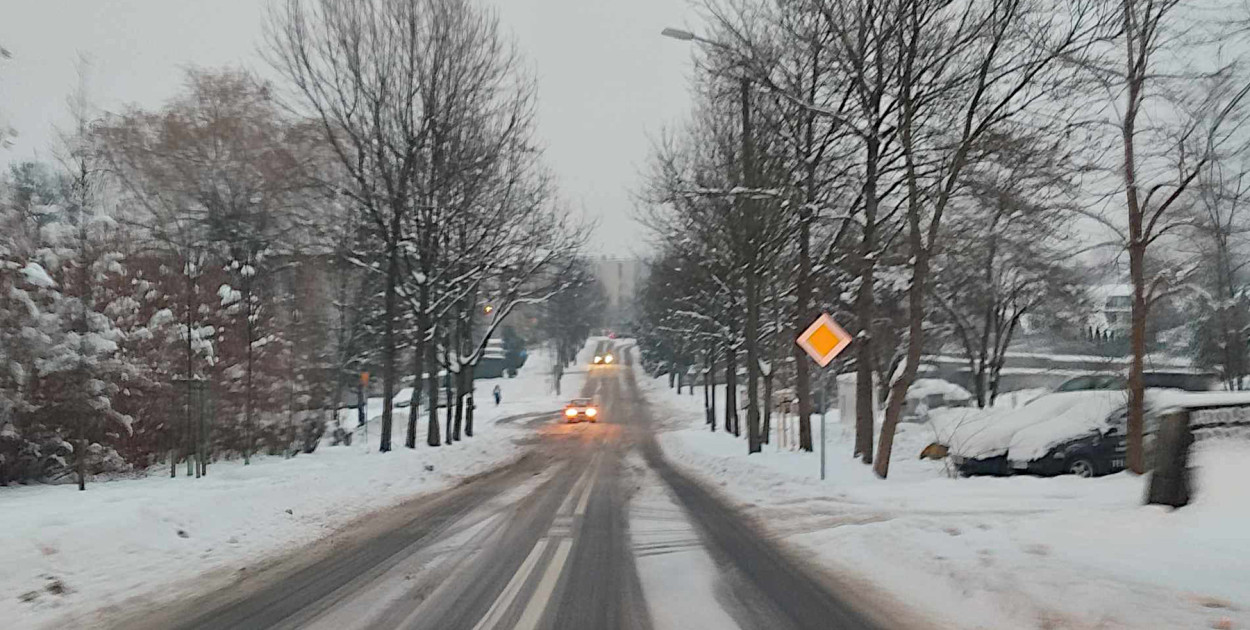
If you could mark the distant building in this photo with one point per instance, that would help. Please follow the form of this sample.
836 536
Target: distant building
620 278
1112 316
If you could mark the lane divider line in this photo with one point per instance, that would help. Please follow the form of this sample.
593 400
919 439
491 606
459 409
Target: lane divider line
542 595
590 485
509 593
566 507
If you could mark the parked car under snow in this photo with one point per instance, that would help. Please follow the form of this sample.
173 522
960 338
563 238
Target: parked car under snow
1069 432
1075 424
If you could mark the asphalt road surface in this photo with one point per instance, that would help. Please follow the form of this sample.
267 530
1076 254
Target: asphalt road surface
593 530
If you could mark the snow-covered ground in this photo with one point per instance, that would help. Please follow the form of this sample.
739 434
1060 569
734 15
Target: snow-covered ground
66 554
1015 552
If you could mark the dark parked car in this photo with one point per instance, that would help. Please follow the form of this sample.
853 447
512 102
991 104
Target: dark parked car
1098 451
1078 432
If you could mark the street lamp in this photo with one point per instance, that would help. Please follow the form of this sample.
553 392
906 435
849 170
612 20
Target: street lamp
687 36
679 34
748 205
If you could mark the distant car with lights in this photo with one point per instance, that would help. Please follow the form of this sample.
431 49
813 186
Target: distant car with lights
604 359
581 410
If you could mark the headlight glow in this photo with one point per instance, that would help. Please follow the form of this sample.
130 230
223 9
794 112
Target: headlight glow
607 359
570 412
592 412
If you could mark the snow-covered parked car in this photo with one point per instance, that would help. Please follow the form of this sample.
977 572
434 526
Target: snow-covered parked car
1071 432
1086 442
1076 423
927 394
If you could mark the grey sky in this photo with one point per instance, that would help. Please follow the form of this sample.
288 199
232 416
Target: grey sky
607 80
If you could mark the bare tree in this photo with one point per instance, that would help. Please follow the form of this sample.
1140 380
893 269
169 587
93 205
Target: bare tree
357 67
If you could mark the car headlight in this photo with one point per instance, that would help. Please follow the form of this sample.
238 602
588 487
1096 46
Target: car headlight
607 359
592 412
570 412
598 359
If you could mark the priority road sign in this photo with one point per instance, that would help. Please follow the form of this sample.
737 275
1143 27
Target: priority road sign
824 340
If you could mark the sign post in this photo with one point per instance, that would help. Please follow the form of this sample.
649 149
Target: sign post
823 341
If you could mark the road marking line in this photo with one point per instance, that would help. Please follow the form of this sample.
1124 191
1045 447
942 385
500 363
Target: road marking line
567 506
505 599
542 595
585 498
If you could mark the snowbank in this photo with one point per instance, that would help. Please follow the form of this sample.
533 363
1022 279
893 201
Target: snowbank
993 553
66 553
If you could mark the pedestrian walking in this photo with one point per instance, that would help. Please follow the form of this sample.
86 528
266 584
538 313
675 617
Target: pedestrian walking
498 394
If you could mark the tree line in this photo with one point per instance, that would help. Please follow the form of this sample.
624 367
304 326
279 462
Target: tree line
244 252
938 175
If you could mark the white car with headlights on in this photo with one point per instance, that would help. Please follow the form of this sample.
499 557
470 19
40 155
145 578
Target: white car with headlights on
581 410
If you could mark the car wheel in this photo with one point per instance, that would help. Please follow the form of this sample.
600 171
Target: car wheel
1081 468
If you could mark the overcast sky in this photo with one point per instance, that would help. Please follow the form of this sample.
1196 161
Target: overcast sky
607 80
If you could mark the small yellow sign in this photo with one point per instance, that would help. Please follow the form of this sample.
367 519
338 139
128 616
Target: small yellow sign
824 340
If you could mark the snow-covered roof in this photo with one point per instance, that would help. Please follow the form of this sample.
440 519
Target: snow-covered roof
925 387
1102 292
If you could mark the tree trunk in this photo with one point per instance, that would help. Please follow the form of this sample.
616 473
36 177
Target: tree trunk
459 423
336 399
711 377
915 344
731 393
751 326
915 293
460 347
470 400
1136 256
1136 375
414 404
389 340
432 436
766 430
753 365
865 304
248 418
802 298
82 464
449 414
708 416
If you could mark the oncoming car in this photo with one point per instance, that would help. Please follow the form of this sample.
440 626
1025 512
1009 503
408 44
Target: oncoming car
581 409
604 359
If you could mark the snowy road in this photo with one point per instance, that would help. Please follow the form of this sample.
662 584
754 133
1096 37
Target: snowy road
592 529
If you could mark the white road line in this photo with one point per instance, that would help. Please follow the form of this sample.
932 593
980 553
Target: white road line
542 595
505 599
567 506
590 485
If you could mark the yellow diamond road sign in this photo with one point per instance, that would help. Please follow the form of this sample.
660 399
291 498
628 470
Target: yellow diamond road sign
824 340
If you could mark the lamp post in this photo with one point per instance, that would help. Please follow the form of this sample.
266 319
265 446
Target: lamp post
748 204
